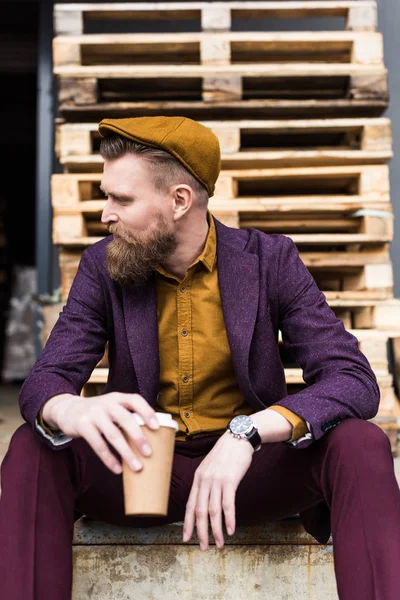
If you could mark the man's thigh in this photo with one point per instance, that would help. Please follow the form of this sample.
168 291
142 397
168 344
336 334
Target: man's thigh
100 494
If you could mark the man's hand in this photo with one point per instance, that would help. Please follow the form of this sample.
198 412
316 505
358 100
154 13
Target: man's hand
105 415
214 489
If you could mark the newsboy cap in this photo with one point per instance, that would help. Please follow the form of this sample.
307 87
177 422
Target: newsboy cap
190 142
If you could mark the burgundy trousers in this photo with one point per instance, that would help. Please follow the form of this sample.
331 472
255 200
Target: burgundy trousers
351 468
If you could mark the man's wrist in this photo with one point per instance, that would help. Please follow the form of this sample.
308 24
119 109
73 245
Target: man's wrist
49 410
272 426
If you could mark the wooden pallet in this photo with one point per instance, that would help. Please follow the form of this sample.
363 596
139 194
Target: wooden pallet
223 110
344 185
216 83
344 230
70 19
222 48
257 144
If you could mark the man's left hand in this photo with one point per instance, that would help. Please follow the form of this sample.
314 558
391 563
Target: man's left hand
214 489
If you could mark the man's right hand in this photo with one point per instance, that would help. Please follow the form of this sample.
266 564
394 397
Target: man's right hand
106 415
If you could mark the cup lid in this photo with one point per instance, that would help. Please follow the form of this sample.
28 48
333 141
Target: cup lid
165 419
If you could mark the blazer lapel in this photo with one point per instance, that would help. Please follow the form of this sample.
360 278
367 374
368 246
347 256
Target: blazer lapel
140 313
239 288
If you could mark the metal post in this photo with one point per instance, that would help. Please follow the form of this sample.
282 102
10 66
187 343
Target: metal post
46 254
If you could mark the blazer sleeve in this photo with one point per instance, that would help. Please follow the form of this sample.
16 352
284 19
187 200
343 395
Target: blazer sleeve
73 349
340 381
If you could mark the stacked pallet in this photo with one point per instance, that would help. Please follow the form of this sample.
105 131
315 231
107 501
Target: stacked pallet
305 148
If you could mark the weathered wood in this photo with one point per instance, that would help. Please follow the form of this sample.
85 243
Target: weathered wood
215 83
257 144
347 185
360 15
78 92
248 109
219 48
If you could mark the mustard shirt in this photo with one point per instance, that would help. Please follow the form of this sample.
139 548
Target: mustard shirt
198 386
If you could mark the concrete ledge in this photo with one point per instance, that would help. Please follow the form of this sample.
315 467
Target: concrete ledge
289 531
275 560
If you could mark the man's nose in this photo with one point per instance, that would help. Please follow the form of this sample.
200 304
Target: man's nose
108 215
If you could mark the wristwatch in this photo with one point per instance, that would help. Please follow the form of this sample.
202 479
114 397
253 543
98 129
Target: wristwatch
242 427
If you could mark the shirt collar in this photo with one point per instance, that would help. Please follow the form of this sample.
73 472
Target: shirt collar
207 257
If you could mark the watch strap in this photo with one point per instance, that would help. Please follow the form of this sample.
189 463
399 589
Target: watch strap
254 439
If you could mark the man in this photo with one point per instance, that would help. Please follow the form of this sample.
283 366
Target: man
191 310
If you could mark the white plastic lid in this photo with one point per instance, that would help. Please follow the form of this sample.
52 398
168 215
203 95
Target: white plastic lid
165 419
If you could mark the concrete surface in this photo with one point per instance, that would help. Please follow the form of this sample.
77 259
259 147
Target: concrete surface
272 560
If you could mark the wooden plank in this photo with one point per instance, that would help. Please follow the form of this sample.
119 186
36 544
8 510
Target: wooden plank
344 183
257 144
222 48
267 70
251 108
70 18
259 187
198 82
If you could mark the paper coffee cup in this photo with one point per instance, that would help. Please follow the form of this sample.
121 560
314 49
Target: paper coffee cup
146 492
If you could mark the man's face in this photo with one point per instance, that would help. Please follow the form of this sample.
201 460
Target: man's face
137 214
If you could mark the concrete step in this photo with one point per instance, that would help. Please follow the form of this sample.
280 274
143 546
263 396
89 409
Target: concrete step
274 560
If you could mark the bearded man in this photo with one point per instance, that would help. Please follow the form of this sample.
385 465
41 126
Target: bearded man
191 311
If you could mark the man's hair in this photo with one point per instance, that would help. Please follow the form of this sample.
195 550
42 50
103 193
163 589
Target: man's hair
167 170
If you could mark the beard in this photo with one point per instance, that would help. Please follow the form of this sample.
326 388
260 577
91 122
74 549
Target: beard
132 258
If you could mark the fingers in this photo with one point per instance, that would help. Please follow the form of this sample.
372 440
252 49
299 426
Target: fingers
94 439
228 506
215 510
141 407
100 423
128 423
202 513
190 514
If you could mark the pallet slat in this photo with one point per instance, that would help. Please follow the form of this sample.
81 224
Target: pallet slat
257 144
70 18
219 48
71 109
342 184
215 83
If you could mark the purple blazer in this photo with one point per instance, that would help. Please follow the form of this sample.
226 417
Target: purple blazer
264 287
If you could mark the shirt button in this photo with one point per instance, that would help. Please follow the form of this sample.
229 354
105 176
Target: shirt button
183 288
184 332
187 414
185 378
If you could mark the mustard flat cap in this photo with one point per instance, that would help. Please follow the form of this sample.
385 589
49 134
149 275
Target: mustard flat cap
190 142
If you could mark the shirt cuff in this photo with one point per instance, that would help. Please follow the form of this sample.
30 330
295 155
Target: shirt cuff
55 436
300 428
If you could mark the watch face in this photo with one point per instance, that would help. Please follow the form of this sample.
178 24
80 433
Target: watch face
241 424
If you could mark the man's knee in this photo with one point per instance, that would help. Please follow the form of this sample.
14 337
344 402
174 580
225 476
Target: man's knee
359 440
24 436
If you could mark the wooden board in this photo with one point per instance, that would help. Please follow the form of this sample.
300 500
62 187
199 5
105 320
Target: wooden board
255 188
216 83
256 144
321 229
70 19
77 103
222 48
